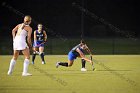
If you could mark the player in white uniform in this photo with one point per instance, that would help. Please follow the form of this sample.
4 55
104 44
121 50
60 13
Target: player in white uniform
19 33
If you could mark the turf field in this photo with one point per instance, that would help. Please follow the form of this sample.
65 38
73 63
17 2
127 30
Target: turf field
114 74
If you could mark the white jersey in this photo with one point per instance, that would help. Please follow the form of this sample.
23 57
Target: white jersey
19 42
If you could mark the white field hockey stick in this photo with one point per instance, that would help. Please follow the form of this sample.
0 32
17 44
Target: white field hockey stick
37 52
92 63
41 44
88 50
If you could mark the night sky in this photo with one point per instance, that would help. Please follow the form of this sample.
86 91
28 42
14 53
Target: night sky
61 17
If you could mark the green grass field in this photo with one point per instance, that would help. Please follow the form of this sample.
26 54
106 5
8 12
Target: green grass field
114 74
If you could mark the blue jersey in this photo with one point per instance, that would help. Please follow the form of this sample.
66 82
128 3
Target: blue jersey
39 39
73 54
74 50
39 36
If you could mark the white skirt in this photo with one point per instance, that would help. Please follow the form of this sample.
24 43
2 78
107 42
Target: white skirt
19 44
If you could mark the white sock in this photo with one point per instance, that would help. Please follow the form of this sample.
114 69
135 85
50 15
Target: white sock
12 64
25 65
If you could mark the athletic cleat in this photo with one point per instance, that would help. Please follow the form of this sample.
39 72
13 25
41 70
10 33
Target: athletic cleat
43 62
57 64
32 62
26 74
83 69
9 73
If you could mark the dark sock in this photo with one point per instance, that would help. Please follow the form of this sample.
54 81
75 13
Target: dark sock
63 64
83 63
42 56
33 57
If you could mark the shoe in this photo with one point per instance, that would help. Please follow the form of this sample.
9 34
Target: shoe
32 62
43 62
57 64
83 69
26 74
9 73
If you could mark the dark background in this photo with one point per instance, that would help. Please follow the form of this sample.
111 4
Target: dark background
63 20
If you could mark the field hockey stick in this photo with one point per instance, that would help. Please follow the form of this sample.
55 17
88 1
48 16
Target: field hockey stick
89 51
92 63
37 52
41 44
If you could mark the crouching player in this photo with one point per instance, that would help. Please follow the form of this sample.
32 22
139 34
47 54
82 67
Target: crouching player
77 51
40 38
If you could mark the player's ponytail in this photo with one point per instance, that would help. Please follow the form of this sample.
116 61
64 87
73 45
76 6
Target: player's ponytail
27 19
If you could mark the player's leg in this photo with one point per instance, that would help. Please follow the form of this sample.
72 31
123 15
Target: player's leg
71 58
34 54
66 64
13 62
26 54
83 65
41 51
70 63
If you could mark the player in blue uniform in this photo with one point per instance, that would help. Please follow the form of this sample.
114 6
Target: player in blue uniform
40 38
77 51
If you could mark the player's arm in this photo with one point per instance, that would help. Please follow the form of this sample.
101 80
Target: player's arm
82 55
35 39
14 31
45 36
29 37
